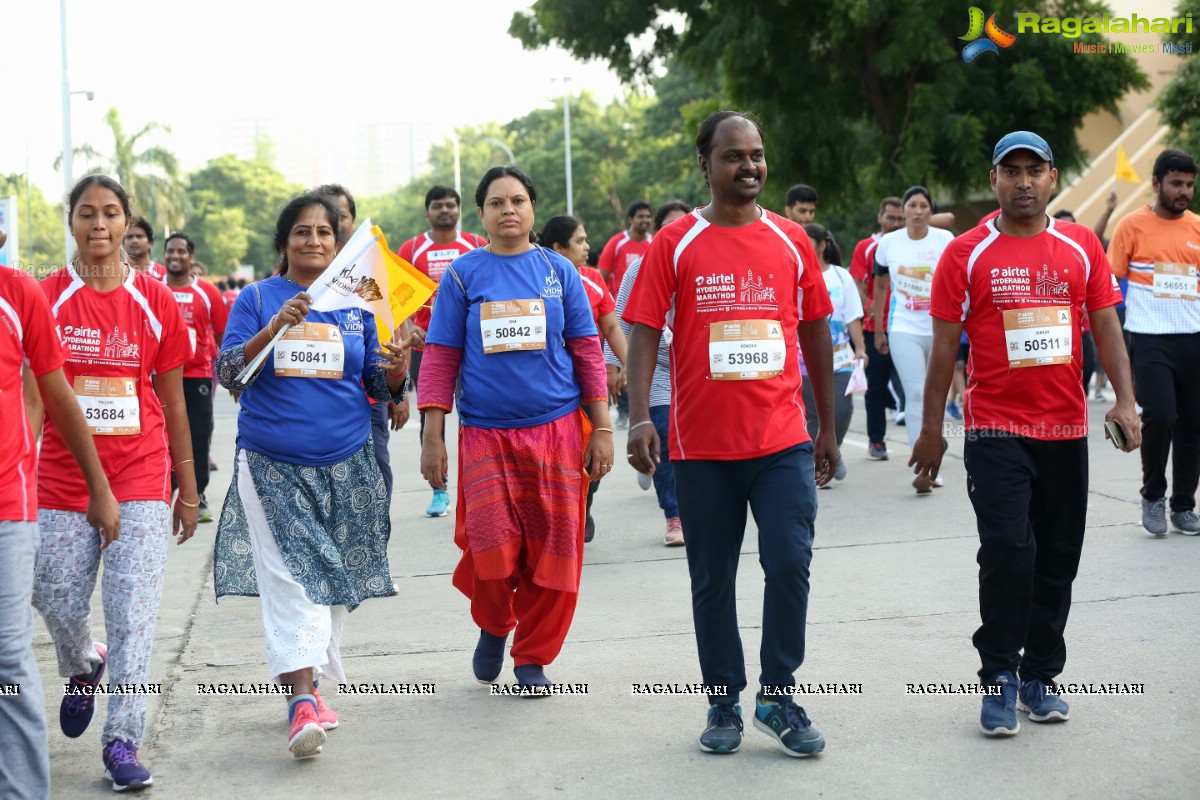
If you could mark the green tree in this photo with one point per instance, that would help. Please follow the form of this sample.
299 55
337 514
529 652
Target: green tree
39 229
149 172
859 98
219 231
256 189
1179 100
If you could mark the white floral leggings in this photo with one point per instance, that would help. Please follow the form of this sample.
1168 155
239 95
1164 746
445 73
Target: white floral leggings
68 561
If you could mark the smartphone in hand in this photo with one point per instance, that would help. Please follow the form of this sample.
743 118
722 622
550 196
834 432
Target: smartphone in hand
1116 433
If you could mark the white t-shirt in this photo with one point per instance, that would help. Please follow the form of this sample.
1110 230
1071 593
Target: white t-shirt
847 307
910 264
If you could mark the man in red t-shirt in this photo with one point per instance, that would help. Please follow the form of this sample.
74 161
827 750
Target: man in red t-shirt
29 338
742 286
1019 285
879 366
139 240
628 246
618 255
204 313
432 252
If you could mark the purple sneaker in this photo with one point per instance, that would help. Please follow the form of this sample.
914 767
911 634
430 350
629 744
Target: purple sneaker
123 768
78 704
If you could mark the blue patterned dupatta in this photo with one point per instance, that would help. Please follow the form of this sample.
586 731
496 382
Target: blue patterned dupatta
331 525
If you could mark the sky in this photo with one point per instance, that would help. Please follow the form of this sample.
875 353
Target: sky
314 69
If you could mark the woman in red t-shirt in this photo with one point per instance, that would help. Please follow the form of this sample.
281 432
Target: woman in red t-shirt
127 344
568 238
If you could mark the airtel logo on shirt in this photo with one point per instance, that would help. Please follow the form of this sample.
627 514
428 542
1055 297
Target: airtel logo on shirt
715 280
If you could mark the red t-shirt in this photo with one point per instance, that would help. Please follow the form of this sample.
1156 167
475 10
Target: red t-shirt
862 268
598 295
155 270
618 256
126 336
229 295
204 314
432 258
1025 372
27 332
711 276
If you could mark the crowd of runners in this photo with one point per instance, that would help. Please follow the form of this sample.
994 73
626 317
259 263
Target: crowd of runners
728 339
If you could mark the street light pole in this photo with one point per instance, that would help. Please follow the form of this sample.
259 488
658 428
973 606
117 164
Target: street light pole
68 154
567 144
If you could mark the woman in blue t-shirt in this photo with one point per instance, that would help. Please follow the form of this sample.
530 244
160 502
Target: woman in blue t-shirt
514 327
305 523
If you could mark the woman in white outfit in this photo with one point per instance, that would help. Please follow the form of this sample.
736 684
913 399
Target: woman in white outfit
905 261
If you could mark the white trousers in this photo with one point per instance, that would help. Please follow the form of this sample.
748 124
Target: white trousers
910 355
299 633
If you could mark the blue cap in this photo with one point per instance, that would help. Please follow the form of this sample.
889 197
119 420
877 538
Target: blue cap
1022 140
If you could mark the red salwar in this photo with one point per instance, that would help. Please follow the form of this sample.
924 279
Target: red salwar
520 524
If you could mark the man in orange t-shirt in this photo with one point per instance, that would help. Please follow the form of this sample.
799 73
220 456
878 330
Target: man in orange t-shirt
1158 248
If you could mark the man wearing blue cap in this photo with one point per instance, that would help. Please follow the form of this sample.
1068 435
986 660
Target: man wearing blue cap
1019 285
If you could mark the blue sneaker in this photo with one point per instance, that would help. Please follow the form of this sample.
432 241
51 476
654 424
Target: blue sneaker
953 410
76 710
489 656
121 766
1040 704
532 680
724 731
787 724
999 714
439 505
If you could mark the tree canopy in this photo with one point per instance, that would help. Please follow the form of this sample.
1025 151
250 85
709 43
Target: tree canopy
1179 100
859 98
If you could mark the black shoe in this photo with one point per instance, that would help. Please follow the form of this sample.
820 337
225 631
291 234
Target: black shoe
589 529
489 657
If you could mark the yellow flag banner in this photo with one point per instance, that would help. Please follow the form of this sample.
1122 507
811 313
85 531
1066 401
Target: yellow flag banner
366 274
1124 168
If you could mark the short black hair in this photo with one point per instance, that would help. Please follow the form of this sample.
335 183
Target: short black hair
336 190
800 193
890 200
505 171
558 231
191 246
636 206
1064 214
828 246
708 129
140 222
1173 161
105 182
666 208
439 192
291 212
913 191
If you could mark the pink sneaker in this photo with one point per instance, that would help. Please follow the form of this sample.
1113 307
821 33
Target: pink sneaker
674 536
306 735
326 715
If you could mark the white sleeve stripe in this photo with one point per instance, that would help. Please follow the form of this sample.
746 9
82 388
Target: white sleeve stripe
993 235
11 313
462 240
421 248
203 295
1087 262
76 285
155 325
688 238
588 281
791 245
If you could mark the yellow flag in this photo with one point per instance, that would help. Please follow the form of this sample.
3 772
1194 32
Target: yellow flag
408 287
366 274
1124 168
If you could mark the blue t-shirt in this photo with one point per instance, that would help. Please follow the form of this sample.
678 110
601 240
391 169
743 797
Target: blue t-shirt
309 421
522 388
